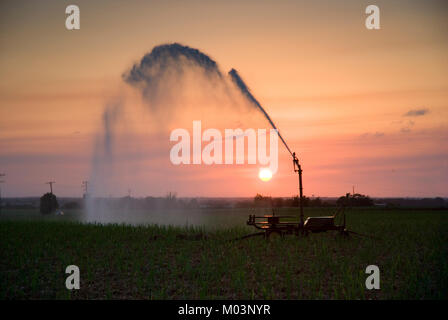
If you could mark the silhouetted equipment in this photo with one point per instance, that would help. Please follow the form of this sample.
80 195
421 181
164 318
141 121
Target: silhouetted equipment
298 169
284 225
272 225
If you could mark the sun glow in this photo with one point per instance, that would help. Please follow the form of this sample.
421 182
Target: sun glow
265 174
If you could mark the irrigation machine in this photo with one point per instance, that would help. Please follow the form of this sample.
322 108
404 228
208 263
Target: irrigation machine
277 225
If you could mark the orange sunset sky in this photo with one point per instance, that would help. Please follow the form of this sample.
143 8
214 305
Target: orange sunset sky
363 108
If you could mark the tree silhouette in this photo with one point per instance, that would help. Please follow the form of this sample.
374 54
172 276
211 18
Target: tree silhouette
356 200
48 203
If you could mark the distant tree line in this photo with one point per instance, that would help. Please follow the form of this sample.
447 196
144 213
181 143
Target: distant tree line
355 200
49 203
170 201
260 201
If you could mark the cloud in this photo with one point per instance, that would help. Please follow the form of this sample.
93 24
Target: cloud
407 128
416 112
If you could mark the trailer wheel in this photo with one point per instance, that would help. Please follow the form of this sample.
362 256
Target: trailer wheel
273 235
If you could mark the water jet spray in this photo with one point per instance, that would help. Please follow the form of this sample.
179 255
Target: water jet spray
297 168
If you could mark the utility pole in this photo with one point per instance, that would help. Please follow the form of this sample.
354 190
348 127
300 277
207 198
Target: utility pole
51 185
84 187
353 190
1 181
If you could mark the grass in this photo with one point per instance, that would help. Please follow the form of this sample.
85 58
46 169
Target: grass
162 262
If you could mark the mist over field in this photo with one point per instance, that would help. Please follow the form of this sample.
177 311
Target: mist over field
178 85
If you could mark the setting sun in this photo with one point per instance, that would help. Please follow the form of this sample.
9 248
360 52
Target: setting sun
265 174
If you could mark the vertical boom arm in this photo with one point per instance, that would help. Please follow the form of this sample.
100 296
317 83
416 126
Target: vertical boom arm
298 169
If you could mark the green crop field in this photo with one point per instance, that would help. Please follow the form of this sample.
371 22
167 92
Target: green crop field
191 262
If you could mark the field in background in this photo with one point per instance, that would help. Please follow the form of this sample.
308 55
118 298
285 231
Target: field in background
191 262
